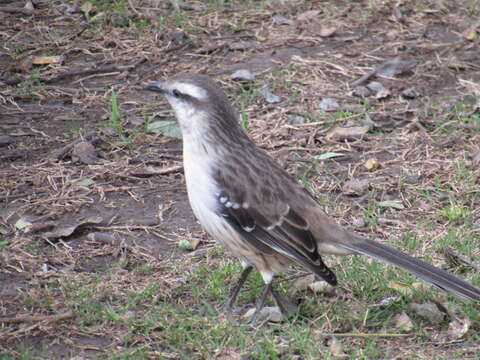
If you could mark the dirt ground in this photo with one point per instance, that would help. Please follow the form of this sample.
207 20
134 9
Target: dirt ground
379 116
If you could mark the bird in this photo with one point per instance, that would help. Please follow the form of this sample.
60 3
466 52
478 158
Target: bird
256 209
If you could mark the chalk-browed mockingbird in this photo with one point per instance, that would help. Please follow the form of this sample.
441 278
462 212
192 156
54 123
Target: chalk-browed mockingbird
256 209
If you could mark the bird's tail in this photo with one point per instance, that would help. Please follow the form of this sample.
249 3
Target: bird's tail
438 277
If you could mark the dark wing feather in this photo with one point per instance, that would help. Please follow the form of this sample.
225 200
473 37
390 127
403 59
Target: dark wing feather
295 219
242 221
288 234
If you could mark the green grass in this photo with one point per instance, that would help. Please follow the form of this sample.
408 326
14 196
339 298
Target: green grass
370 211
151 320
125 137
114 122
247 4
461 116
455 212
32 88
24 354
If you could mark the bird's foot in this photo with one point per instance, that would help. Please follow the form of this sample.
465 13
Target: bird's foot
287 308
228 308
283 310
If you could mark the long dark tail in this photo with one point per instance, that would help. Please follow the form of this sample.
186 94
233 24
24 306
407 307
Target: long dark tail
438 277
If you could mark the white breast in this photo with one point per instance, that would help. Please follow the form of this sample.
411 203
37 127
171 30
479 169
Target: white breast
201 187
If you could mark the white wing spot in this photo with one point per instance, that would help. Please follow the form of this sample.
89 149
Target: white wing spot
273 226
228 204
236 206
248 228
245 205
223 199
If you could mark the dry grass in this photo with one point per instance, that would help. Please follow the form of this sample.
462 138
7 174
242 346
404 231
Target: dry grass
117 287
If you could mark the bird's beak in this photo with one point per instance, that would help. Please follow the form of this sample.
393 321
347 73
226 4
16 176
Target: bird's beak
157 87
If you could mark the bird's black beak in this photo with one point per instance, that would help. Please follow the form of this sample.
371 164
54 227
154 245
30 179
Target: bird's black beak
157 87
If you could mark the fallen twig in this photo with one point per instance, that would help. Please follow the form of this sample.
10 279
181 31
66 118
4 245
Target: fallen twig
31 318
363 335
149 173
15 10
82 72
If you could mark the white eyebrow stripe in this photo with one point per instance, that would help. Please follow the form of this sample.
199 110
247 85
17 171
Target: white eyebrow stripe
192 90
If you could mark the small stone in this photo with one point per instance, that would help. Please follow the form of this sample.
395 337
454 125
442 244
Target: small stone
355 186
189 244
321 287
29 5
179 37
68 9
428 310
476 157
392 35
387 301
129 314
327 31
328 104
280 20
268 313
376 86
136 120
274 313
382 94
367 121
243 74
268 96
336 348
411 93
297 120
458 328
358 222
412 179
303 282
109 131
6 140
403 322
308 15
84 152
361 91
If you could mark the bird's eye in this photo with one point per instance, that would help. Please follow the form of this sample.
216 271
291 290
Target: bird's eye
176 93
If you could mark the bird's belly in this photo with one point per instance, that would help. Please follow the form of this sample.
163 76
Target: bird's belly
219 228
267 264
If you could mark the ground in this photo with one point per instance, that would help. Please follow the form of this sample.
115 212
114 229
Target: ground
379 117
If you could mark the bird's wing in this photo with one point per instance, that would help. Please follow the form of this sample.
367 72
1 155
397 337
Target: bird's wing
267 221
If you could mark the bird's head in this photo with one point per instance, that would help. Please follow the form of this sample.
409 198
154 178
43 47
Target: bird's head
197 101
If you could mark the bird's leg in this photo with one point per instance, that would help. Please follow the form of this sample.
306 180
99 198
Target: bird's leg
227 307
261 303
286 307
